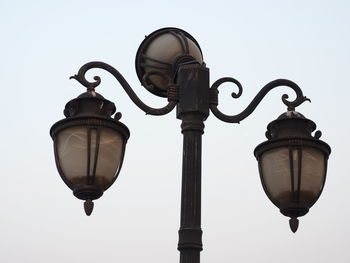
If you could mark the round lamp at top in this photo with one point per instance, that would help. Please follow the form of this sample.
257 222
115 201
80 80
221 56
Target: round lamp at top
159 56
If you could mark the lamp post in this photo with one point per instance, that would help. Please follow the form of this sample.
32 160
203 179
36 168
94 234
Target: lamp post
89 143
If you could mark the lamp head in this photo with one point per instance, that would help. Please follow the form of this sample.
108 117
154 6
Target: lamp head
160 55
89 146
292 164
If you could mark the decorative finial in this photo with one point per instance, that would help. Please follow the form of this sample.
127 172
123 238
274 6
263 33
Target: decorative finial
294 223
88 207
318 134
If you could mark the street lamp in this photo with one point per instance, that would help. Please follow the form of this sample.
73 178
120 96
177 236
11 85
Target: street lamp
89 146
89 143
292 165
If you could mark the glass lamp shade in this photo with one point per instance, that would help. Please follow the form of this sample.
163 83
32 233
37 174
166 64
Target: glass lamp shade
89 146
89 158
159 56
292 165
293 177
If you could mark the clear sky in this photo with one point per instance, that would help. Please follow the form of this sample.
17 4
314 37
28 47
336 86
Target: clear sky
44 42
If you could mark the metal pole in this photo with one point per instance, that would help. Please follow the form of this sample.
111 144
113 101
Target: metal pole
193 109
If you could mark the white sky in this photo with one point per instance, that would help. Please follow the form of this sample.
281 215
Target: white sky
43 43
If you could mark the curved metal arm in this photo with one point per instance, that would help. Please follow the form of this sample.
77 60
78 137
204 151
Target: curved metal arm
257 99
80 77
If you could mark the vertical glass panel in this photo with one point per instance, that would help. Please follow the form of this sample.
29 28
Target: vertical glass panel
109 157
72 153
275 168
295 170
94 141
313 174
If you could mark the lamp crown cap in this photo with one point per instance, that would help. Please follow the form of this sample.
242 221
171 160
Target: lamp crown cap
291 114
90 94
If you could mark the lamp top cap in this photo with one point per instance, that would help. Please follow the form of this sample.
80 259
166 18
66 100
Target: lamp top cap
291 114
90 94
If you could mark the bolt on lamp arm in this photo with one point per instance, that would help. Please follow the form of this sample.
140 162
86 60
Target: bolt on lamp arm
172 92
257 99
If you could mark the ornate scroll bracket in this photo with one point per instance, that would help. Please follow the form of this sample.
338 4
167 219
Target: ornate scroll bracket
80 77
291 105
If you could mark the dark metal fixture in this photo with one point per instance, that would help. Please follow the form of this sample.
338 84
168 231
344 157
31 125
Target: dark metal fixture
292 165
89 144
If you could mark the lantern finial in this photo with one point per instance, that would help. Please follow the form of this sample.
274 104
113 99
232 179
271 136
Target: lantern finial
294 223
88 207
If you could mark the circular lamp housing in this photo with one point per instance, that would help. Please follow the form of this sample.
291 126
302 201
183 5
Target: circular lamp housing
292 165
159 56
89 146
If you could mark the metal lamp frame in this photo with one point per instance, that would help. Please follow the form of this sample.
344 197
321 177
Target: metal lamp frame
79 114
292 132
